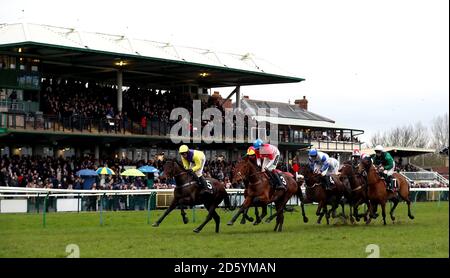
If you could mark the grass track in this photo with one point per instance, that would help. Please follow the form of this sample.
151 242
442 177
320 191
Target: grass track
127 234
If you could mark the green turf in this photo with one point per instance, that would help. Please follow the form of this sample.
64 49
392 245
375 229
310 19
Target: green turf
127 234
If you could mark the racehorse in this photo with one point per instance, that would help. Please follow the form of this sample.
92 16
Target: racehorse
316 193
261 193
188 193
358 194
378 194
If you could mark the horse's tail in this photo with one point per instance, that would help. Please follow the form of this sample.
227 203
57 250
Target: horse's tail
227 202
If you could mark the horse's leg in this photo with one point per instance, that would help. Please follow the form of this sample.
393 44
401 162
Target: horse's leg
334 206
244 216
355 210
258 218
405 197
216 218
271 218
183 215
369 212
302 205
327 213
264 212
408 202
248 217
280 216
319 212
391 212
351 208
383 212
343 208
244 206
172 206
211 209
373 211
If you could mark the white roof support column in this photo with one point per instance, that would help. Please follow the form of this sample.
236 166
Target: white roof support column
119 90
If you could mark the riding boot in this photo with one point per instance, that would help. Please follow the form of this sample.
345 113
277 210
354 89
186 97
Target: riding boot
271 178
278 182
389 186
204 184
327 183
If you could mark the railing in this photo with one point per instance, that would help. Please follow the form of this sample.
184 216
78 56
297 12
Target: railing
441 179
81 124
154 127
18 106
422 176
335 145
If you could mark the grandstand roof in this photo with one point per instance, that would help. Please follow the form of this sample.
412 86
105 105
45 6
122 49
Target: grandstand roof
289 114
72 52
401 151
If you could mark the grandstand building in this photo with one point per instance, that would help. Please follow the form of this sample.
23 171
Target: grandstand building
65 92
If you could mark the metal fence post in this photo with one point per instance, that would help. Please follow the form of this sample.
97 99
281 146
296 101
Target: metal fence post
44 211
101 210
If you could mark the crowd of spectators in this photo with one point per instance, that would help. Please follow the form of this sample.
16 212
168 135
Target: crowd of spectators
49 172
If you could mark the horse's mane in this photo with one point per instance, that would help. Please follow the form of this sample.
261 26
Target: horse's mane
347 162
174 160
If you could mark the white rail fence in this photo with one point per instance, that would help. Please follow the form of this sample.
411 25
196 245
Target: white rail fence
16 199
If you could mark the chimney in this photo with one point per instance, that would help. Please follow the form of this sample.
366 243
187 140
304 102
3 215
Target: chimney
302 103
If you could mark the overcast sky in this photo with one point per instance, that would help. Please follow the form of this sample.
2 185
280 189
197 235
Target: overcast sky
370 65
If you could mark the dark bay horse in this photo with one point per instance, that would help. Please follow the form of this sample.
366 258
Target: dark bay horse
261 193
378 195
187 193
358 193
315 192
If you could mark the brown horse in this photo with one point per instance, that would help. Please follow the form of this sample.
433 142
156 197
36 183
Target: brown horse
358 193
261 193
188 193
315 192
377 193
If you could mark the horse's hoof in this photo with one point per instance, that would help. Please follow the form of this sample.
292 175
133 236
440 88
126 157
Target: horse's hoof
305 219
230 223
185 220
256 223
251 219
242 222
155 224
197 230
411 217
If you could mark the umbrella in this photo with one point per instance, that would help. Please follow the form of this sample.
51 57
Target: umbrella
86 173
148 169
132 173
105 171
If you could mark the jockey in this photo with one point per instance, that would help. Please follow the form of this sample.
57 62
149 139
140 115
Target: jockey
356 158
194 161
385 164
251 154
267 157
320 162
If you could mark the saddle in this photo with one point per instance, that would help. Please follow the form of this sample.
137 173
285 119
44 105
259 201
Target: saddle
273 179
279 172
